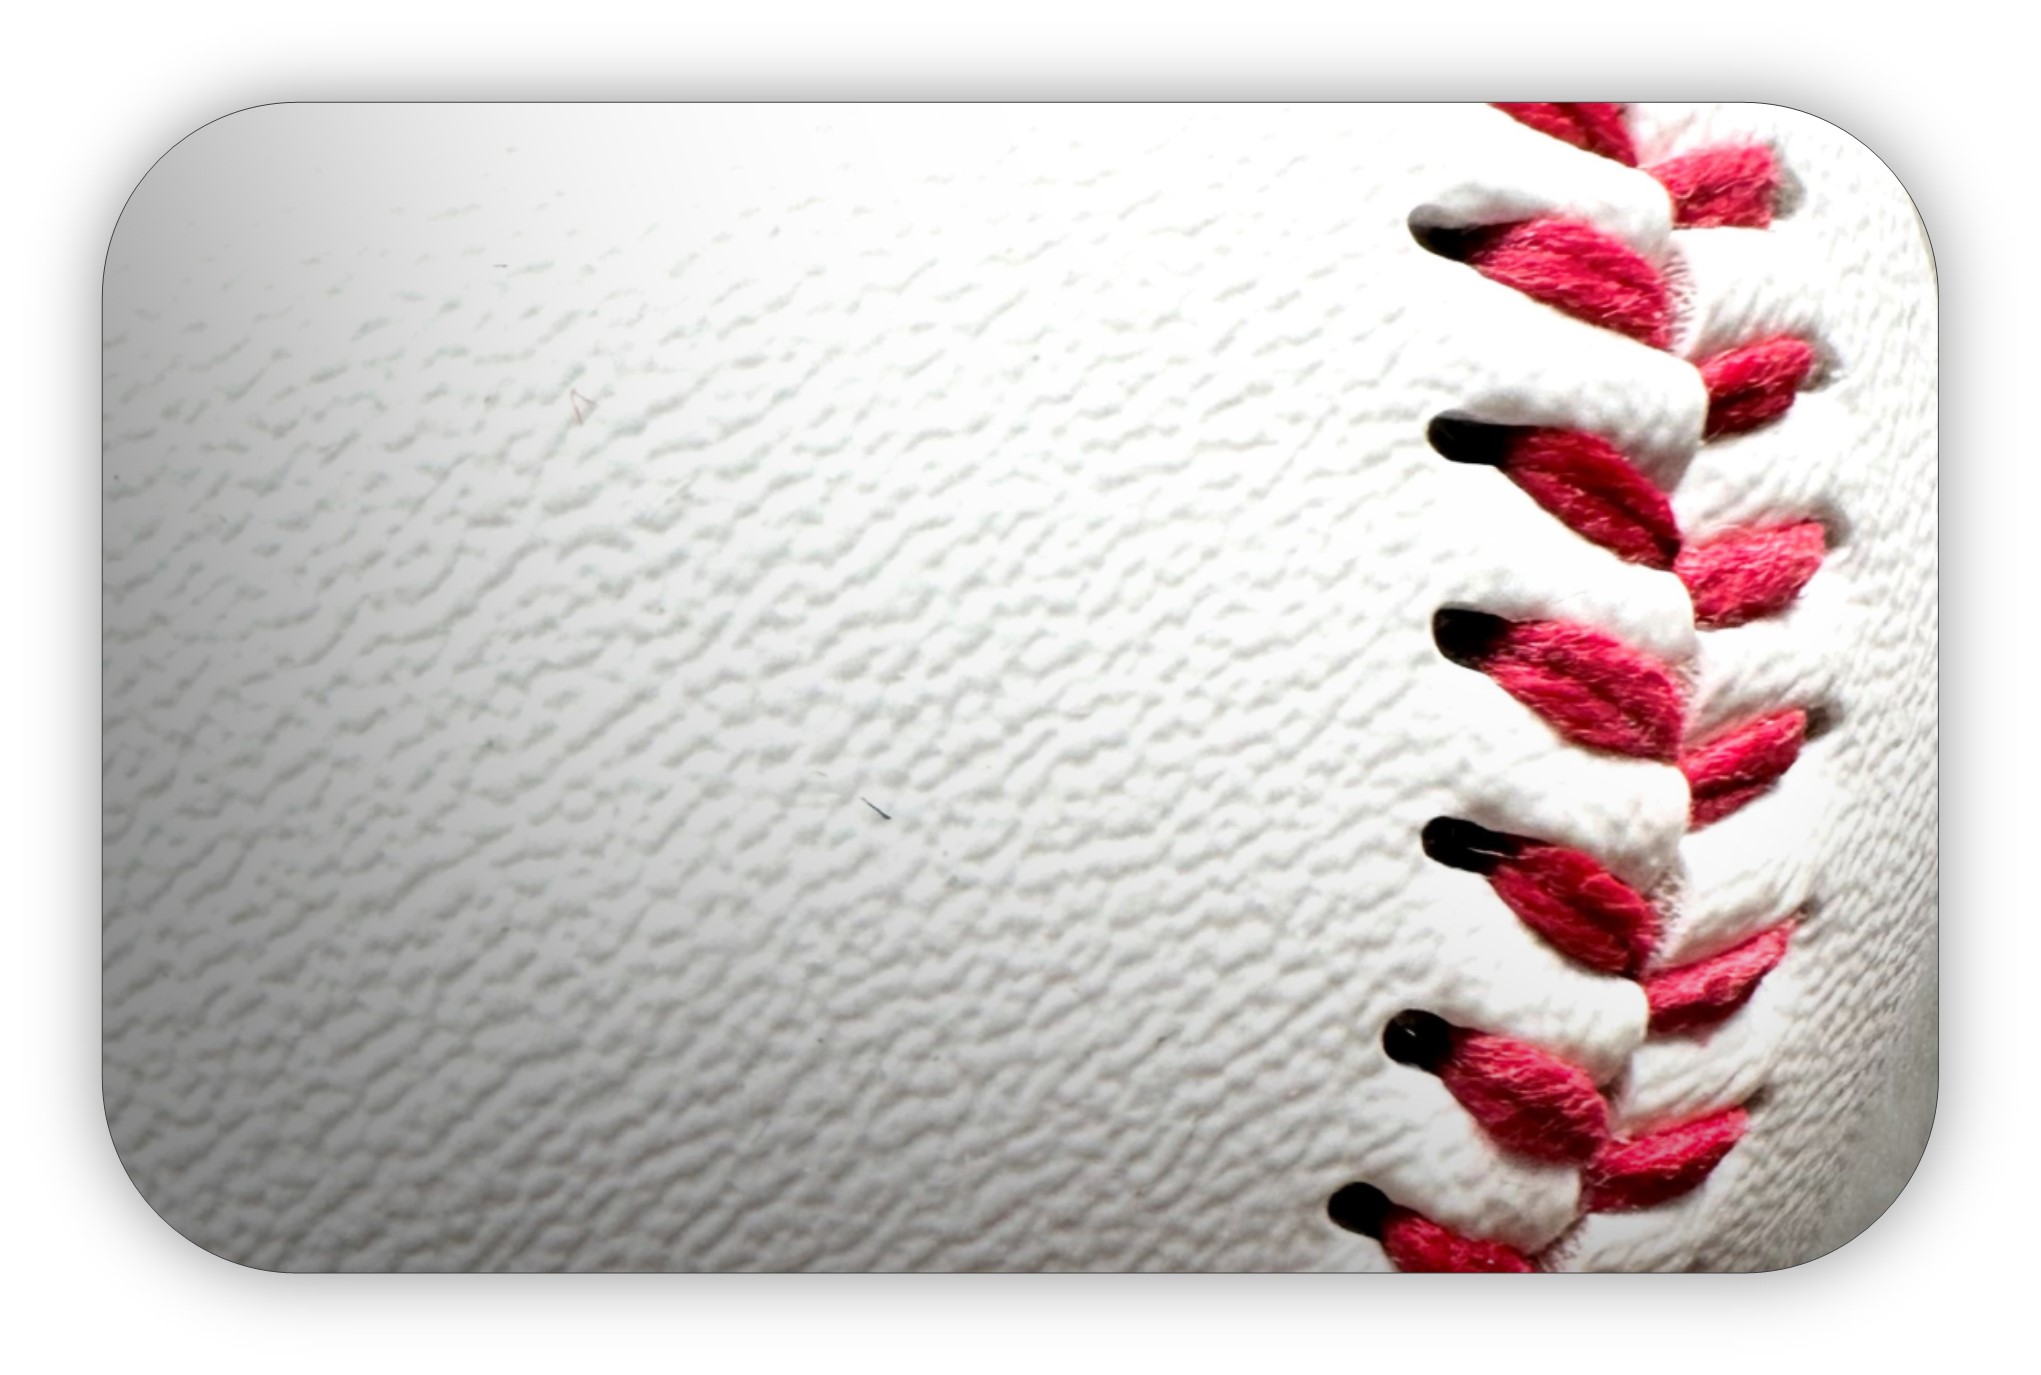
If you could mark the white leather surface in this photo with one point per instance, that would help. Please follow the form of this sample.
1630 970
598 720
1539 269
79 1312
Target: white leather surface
494 867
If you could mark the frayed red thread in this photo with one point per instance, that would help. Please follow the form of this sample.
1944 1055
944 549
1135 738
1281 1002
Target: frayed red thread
1705 992
1739 766
1754 383
1601 694
1657 1168
1416 1243
1590 687
1577 268
1582 910
1584 481
1528 1100
1734 185
1593 125
1749 574
1419 1246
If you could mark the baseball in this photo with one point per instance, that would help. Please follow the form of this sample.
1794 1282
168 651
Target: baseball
1102 688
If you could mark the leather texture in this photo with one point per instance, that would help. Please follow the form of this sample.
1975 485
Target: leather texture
851 688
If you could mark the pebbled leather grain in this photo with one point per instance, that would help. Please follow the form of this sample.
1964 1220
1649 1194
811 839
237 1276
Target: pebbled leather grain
742 687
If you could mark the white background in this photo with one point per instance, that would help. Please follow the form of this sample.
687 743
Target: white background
95 94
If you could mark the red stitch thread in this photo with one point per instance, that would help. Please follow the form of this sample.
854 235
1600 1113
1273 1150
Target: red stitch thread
1580 478
1595 126
1748 574
1592 688
1754 383
1583 480
1702 993
1578 269
1420 1246
1654 1169
1601 694
1736 767
1734 186
1584 911
1529 1100
1416 1243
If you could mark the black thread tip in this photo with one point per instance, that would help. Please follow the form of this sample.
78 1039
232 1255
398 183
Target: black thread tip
1467 637
1457 242
1418 1039
1358 1208
1461 844
1460 440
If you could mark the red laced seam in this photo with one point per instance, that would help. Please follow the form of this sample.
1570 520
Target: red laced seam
1600 694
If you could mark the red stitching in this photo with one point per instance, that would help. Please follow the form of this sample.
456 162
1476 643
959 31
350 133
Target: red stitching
1420 1246
1659 1167
1588 484
1598 693
1703 993
1734 186
1589 686
1746 575
1582 910
1591 125
1528 1100
1751 385
1741 765
1581 478
1577 268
